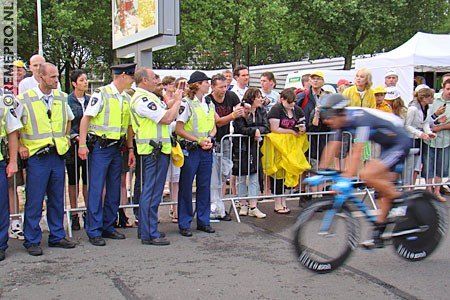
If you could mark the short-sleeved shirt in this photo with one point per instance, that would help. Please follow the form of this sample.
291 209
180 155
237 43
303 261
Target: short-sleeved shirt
29 83
273 99
96 102
143 109
224 109
442 139
280 113
12 122
40 94
186 113
238 91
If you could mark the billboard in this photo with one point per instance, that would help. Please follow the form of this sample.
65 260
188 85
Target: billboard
133 21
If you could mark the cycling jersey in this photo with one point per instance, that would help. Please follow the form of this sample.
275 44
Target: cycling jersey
385 129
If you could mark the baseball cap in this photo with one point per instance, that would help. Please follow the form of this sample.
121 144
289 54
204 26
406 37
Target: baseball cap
421 86
390 73
317 73
342 81
18 63
177 156
379 90
198 76
391 93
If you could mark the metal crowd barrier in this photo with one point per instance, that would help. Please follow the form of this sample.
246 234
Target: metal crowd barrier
236 140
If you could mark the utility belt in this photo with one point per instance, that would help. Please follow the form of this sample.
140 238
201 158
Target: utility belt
4 150
103 142
47 150
188 145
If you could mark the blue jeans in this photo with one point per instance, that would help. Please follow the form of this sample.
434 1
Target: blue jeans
105 168
4 207
45 175
199 164
155 171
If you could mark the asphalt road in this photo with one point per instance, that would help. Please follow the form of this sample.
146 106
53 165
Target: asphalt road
250 260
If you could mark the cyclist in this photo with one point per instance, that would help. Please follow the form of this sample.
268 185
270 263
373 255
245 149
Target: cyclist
366 124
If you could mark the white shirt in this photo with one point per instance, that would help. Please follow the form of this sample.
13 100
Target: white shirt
40 94
239 92
149 106
12 122
185 112
29 83
96 102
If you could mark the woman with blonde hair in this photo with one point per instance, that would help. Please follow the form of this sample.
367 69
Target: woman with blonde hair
361 93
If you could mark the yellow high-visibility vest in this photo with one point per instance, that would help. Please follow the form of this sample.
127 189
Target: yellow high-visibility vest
145 129
40 130
112 121
199 124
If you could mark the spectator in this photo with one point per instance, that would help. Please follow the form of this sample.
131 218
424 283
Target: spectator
285 117
436 161
18 74
418 128
308 99
196 128
268 83
399 108
390 83
342 84
228 107
361 93
246 154
241 76
76 168
379 93
229 76
43 143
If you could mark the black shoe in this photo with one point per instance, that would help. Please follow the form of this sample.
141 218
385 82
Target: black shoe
97 241
162 234
63 243
157 242
227 217
84 219
115 235
185 232
377 241
35 250
2 254
206 228
75 222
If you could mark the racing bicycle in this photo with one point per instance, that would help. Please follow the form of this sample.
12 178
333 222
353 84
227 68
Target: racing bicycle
327 230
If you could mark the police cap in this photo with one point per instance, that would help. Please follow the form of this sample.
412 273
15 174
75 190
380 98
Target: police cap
127 69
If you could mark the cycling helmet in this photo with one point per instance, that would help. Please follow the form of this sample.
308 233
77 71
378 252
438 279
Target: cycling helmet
332 105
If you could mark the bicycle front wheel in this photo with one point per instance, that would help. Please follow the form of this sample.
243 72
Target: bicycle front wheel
323 252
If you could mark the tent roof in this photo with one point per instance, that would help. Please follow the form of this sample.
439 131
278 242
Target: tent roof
425 51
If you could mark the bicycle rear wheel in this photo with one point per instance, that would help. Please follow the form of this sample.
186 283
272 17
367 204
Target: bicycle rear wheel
319 252
423 209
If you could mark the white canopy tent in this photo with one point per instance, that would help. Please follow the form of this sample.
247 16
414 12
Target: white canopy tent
424 52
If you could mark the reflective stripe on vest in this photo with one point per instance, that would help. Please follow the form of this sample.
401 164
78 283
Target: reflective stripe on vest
147 130
41 131
199 120
2 128
108 122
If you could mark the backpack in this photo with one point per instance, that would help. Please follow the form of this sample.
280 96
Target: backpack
302 103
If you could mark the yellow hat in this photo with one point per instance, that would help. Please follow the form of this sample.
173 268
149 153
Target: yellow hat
18 63
177 156
317 73
379 90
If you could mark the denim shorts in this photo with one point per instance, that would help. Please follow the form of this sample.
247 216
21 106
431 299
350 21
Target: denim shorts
435 162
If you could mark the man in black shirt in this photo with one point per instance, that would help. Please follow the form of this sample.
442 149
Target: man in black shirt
228 107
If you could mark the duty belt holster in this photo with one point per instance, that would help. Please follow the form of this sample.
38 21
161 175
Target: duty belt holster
106 143
4 150
45 151
188 145
156 149
90 141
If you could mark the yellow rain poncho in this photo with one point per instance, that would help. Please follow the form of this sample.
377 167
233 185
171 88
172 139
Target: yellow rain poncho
284 157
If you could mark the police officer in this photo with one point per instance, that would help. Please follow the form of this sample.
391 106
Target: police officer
196 129
150 119
44 140
9 126
107 118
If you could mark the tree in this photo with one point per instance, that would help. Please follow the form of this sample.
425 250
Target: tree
76 34
349 27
